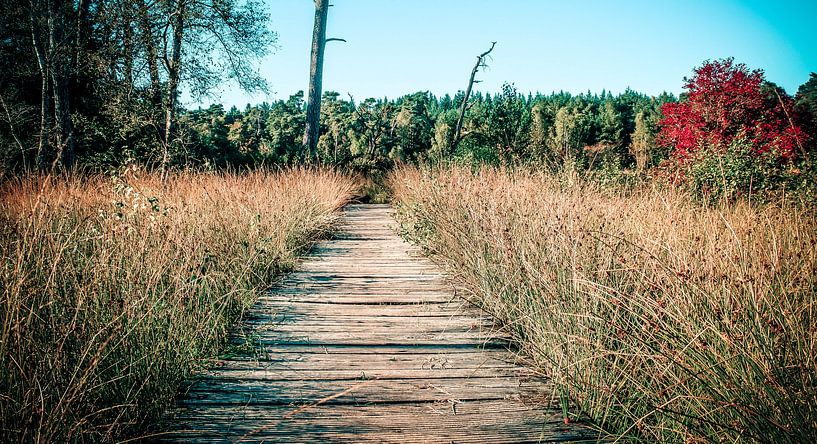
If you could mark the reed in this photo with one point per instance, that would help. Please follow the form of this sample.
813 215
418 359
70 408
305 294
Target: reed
114 289
662 319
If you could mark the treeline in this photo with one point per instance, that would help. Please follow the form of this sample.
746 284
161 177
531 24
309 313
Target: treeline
97 82
591 130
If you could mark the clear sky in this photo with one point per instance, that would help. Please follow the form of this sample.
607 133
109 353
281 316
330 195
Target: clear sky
397 47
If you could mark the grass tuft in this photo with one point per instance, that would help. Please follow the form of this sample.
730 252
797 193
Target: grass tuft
662 319
113 290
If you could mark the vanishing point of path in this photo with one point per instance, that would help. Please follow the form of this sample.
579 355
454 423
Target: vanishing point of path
367 342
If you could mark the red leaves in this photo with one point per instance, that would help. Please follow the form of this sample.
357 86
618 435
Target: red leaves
727 101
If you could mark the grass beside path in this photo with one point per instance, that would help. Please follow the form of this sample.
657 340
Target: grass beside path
113 289
665 320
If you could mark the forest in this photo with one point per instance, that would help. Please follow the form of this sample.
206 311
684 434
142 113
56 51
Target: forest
652 255
96 85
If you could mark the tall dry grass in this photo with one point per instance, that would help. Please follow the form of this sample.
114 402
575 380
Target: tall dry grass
113 289
661 319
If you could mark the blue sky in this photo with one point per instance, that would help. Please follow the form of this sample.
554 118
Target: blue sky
397 47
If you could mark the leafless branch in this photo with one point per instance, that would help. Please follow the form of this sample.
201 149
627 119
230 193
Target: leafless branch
457 137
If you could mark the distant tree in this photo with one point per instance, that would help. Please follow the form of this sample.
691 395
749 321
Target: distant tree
53 37
507 123
285 129
313 108
209 42
414 128
726 101
372 133
337 116
568 134
542 117
806 106
211 144
247 132
444 125
457 135
609 136
642 140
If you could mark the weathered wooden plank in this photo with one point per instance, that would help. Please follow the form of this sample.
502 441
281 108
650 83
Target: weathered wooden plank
364 374
409 327
382 267
329 319
389 282
485 421
360 298
250 391
355 360
316 310
366 277
407 338
495 431
271 350
359 289
368 342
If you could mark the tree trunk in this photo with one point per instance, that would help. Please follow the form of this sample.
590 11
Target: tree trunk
43 144
59 53
458 128
173 73
82 37
127 43
313 107
151 53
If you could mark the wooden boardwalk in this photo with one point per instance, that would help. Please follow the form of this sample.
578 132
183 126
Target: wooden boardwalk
367 342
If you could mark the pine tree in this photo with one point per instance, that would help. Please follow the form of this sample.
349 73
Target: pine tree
642 140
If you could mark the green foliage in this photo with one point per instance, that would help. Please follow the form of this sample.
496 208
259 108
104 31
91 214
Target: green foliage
806 106
609 148
569 133
738 171
507 124
336 124
414 127
643 147
284 130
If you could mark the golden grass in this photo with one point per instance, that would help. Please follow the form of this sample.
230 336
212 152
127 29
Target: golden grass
661 319
113 289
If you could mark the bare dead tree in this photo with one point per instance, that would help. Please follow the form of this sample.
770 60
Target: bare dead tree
455 140
313 106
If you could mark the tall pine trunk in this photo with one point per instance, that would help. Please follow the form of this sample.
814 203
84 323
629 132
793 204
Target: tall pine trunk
313 107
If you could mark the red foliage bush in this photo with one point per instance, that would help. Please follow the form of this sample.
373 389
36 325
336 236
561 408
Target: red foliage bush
726 101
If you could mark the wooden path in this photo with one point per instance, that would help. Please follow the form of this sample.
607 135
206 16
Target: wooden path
367 342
